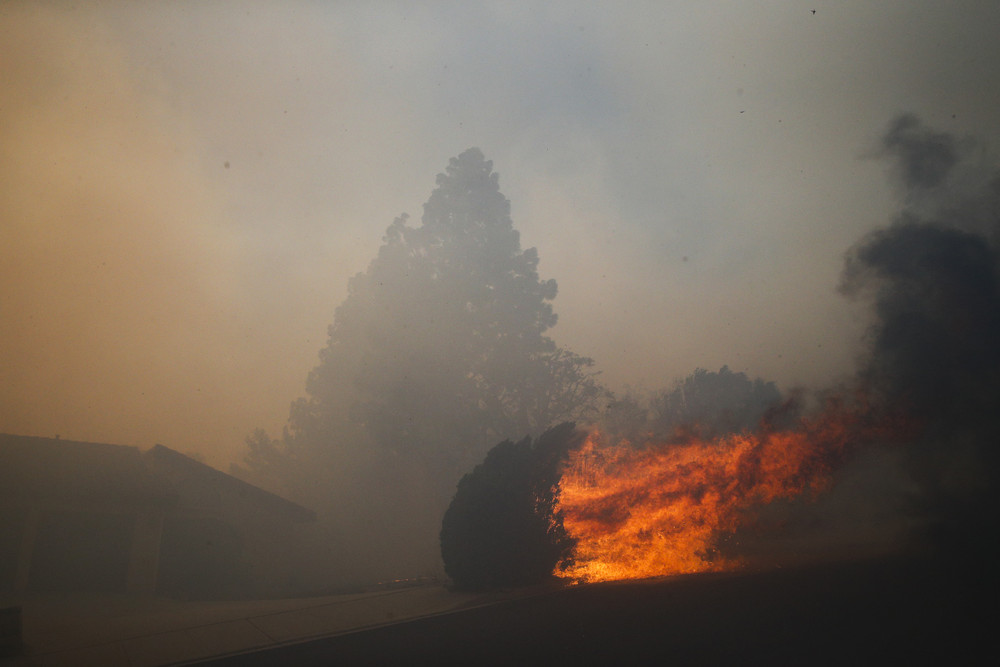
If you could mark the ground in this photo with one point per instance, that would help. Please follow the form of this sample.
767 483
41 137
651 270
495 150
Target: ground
891 609
885 611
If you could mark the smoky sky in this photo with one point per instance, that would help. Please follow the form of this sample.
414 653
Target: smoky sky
923 156
185 190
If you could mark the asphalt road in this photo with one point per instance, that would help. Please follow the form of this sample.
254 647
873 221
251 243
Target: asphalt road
886 611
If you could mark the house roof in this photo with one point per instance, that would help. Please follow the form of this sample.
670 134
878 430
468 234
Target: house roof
51 469
54 469
184 471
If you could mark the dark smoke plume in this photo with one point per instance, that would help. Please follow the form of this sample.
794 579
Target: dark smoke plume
925 157
933 278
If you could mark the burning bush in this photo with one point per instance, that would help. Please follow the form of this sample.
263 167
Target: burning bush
662 508
502 528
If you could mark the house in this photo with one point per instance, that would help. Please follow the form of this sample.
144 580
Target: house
83 516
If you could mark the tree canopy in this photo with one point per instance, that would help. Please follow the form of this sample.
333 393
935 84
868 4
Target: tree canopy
441 343
439 349
712 404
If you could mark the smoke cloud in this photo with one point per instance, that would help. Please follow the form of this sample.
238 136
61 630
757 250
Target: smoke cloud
186 191
710 203
109 272
933 280
125 309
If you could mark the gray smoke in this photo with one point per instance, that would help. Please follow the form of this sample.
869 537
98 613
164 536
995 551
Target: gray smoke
932 279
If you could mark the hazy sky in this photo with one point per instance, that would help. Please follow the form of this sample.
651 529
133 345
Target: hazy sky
186 187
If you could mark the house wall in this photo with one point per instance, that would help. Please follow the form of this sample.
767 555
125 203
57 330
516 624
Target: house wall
94 517
226 537
239 549
61 547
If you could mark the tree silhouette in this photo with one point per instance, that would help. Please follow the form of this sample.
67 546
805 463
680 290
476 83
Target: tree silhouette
439 349
501 528
711 404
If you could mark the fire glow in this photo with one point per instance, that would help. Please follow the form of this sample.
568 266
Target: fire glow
659 509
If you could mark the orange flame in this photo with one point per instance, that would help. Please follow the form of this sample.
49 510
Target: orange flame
658 509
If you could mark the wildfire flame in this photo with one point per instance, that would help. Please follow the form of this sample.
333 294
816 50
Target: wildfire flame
659 509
